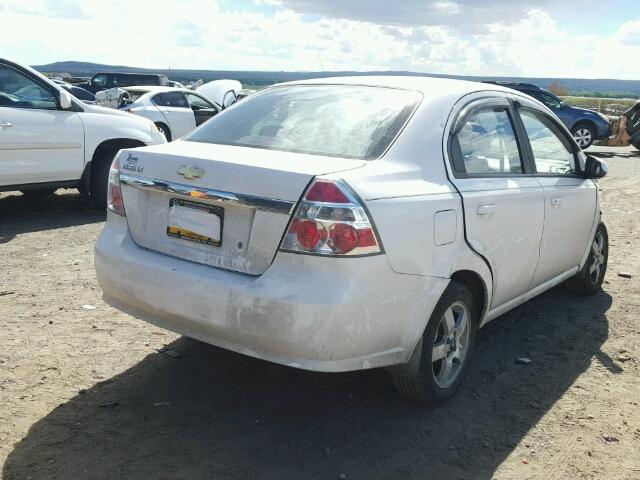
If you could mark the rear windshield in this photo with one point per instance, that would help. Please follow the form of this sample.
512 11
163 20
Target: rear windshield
334 120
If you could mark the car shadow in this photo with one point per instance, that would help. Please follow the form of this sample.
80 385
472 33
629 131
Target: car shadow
615 154
21 214
216 414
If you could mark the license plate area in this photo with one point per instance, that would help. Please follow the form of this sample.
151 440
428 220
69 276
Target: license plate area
195 221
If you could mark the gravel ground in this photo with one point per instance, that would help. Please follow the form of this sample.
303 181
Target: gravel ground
86 394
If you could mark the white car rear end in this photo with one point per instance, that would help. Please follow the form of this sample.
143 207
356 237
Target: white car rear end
344 224
261 250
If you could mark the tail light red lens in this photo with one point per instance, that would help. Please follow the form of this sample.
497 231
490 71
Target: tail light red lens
308 234
115 202
323 191
330 220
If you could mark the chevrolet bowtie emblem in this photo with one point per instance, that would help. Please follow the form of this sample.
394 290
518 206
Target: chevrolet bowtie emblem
190 171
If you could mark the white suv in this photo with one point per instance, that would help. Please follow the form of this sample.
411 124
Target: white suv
49 139
344 224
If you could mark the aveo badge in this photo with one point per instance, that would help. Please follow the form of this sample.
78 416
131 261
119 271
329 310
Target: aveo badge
190 171
131 164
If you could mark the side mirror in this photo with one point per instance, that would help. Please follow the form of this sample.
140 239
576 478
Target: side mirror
594 168
65 100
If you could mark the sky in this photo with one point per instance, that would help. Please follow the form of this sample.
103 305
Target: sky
543 38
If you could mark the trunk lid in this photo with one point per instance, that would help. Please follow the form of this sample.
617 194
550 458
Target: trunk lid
223 206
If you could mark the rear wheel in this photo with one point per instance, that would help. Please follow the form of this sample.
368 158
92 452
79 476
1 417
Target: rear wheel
589 280
164 130
38 192
447 345
584 135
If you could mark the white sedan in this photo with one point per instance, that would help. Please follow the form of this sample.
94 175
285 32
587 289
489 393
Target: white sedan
175 111
351 223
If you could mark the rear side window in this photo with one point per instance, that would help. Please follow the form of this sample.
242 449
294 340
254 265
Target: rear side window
99 80
486 144
552 151
348 121
171 99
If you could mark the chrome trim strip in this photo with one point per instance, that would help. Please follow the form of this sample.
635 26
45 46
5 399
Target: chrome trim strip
237 199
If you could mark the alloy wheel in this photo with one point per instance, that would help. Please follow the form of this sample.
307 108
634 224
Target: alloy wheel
583 137
451 345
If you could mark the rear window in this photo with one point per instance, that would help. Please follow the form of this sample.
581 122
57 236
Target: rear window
334 120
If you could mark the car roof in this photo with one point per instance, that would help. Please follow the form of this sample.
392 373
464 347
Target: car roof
155 88
136 74
428 86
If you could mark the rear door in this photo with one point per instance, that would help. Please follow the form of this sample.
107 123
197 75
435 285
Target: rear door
503 204
176 110
38 142
569 201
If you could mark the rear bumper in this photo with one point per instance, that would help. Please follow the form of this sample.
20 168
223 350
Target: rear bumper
325 314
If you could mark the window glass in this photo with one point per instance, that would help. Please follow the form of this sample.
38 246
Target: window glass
80 93
337 120
551 150
229 99
488 143
18 90
171 99
198 103
99 80
549 100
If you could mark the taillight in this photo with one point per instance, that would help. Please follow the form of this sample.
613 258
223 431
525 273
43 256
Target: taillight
330 220
114 193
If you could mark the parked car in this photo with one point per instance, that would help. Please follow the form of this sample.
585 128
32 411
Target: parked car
173 83
352 223
50 139
586 126
80 93
107 80
224 92
633 124
175 111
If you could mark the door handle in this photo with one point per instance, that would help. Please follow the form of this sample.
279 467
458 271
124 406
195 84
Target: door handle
6 124
556 202
486 209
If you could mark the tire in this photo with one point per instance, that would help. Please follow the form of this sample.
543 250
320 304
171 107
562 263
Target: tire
164 130
100 178
588 281
431 384
38 192
584 135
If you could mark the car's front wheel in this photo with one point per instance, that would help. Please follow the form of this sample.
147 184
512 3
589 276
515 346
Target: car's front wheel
584 135
589 280
447 344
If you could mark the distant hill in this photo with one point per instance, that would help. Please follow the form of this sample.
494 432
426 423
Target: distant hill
575 86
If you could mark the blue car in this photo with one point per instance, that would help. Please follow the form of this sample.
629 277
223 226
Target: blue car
586 126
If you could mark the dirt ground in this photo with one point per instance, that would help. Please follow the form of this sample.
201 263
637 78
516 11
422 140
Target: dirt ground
85 394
